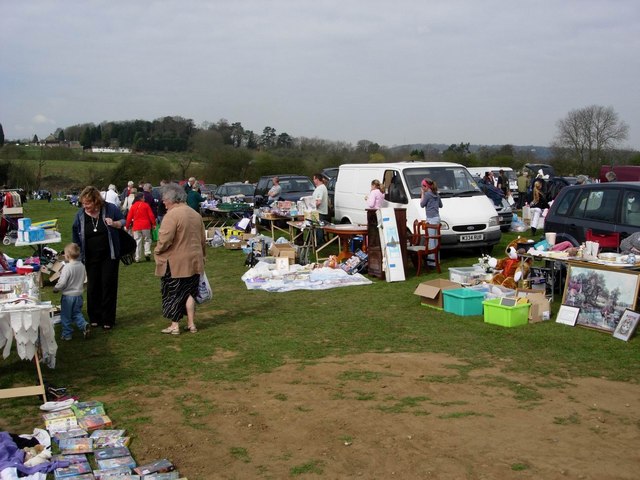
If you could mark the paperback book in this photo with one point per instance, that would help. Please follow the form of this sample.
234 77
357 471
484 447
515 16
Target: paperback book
102 473
83 409
76 445
127 461
159 466
105 453
94 422
72 470
70 457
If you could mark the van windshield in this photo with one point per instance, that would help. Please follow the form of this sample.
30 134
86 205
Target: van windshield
451 181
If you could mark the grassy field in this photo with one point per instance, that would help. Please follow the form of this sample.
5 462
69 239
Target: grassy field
266 330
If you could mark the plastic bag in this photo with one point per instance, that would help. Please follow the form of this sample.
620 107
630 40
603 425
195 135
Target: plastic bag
204 289
154 233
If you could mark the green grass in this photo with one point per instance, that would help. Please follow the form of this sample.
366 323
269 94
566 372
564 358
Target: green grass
243 333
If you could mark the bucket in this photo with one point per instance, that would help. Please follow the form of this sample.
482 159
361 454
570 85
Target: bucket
550 238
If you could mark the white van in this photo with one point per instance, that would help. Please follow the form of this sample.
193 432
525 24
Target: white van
468 217
478 172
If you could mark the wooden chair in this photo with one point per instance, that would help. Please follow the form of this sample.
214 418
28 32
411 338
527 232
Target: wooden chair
419 244
607 241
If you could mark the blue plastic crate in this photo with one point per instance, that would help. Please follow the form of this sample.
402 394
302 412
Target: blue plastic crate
463 301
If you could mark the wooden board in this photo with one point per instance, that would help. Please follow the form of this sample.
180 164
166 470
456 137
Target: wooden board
390 240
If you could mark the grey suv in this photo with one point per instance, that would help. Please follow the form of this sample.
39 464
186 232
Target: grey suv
293 188
602 207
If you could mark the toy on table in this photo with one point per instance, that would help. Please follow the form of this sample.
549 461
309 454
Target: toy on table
512 268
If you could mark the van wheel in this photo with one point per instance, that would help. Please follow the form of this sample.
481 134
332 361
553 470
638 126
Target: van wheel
486 250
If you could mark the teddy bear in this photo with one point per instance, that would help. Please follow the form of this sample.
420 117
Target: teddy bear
512 269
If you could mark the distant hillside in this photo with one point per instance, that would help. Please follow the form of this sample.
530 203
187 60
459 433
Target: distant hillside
542 153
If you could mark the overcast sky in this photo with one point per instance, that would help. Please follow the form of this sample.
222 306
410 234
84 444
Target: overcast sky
393 72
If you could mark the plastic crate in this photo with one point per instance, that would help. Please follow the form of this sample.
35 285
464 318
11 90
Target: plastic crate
463 301
493 291
505 316
467 275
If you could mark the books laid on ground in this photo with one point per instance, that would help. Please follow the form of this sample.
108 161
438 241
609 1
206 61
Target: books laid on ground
72 433
115 452
120 472
71 458
174 475
76 445
127 461
109 439
94 422
83 409
159 466
60 421
73 470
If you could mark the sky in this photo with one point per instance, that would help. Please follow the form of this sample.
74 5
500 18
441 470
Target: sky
392 72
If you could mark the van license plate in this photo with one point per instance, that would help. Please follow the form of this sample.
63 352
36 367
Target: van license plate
471 238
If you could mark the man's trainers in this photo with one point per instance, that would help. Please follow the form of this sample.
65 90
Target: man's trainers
87 331
65 338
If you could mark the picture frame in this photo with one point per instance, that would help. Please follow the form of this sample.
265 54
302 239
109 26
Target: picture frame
567 315
627 325
601 293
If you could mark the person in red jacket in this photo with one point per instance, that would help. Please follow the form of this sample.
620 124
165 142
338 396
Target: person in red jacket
142 219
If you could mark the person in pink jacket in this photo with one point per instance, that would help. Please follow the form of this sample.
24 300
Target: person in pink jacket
376 196
141 218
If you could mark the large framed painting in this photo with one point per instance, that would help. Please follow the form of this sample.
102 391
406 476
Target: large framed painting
602 294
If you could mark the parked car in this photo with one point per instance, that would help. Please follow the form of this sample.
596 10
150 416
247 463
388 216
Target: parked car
602 207
512 178
294 187
235 189
207 190
624 173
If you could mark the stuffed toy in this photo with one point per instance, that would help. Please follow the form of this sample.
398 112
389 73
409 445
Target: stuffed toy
513 269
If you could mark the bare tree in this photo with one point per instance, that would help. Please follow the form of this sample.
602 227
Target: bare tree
588 132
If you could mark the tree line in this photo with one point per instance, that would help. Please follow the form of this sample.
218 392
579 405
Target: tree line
225 151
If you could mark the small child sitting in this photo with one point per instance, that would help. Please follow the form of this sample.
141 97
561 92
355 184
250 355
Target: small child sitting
71 284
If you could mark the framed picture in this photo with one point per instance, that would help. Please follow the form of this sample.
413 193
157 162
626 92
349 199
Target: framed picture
627 325
601 293
568 315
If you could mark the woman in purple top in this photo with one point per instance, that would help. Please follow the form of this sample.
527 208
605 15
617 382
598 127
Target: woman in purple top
432 204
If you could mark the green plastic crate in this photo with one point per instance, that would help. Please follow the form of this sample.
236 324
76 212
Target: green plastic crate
463 301
505 316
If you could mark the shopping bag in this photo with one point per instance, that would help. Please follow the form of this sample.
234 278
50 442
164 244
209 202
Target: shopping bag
154 233
204 289
127 247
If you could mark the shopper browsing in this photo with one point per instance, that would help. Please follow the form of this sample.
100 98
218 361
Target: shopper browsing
71 284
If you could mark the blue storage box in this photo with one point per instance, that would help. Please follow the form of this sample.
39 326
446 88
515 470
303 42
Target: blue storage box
463 301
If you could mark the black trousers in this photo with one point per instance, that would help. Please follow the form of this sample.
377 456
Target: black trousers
102 291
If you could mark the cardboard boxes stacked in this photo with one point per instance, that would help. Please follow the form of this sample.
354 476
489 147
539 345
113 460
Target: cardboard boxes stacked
29 234
283 250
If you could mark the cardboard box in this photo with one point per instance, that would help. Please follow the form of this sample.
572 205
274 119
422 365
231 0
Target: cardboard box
283 250
540 308
430 292
234 245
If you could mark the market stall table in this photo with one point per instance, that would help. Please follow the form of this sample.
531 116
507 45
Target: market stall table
216 217
344 233
52 237
273 221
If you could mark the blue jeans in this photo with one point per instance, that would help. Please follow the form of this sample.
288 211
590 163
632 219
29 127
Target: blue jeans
71 313
432 243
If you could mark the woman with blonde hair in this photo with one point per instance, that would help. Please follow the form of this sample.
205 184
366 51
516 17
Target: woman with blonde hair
376 196
538 204
95 229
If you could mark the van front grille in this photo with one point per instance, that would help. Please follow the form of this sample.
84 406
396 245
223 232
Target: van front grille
469 228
